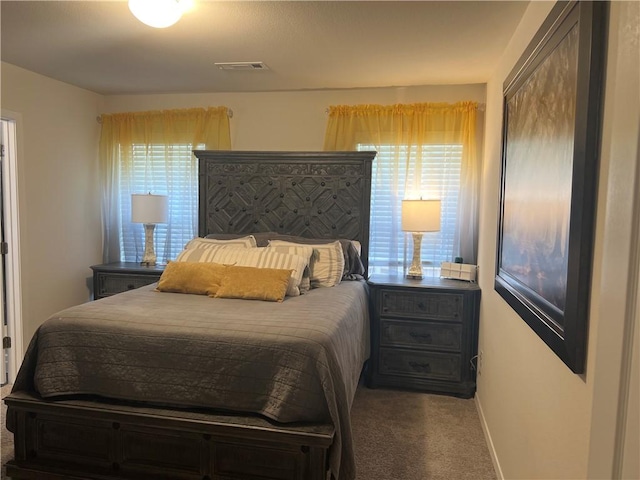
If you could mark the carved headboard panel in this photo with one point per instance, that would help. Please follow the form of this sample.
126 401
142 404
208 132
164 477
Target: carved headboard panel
310 194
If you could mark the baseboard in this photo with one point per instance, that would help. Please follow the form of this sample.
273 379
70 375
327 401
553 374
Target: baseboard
487 436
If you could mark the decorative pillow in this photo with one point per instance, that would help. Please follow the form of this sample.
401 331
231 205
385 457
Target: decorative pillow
191 277
304 251
327 264
251 257
252 283
248 241
357 245
206 253
262 238
353 267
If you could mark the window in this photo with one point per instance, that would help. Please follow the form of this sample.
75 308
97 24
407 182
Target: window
166 170
438 169
142 152
424 150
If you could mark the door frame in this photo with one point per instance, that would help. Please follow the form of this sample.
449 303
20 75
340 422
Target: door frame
12 237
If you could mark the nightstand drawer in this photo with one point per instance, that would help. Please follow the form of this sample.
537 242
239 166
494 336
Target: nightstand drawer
112 283
415 334
435 306
437 366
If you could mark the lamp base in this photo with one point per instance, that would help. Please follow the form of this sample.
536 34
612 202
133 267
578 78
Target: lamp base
149 256
415 270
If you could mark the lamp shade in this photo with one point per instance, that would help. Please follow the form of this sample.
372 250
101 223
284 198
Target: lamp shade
148 208
421 215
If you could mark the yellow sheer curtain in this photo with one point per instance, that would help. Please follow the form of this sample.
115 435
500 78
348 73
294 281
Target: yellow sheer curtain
150 151
411 130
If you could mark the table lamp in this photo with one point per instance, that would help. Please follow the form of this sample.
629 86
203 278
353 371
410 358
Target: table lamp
148 209
419 216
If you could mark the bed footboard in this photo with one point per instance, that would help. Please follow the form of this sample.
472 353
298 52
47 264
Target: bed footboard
79 439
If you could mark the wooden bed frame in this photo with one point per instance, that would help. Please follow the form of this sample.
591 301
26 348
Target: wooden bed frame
310 194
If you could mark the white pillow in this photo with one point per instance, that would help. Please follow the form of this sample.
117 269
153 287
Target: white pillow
247 242
305 251
327 263
203 254
260 257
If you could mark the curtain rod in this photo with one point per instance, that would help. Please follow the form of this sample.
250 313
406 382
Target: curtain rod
229 114
481 107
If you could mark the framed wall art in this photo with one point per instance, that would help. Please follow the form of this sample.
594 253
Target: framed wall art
550 151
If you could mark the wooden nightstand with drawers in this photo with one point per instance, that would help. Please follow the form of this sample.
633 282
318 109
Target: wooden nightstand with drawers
112 278
424 334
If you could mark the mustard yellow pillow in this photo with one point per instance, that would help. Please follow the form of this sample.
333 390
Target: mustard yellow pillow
252 283
199 278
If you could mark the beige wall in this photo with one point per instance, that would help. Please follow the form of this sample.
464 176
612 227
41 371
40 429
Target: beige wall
59 199
539 417
290 120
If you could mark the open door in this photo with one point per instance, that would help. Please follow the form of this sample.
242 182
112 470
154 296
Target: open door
10 293
6 339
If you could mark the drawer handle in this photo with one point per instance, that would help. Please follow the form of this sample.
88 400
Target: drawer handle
131 286
421 367
426 337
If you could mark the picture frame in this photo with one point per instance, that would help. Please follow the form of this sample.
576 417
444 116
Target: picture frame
552 102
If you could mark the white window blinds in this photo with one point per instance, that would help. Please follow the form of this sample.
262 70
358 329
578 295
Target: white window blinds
165 170
401 172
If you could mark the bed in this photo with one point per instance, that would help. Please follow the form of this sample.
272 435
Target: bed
243 394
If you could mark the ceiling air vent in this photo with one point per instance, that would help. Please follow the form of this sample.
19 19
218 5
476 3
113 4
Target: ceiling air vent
241 66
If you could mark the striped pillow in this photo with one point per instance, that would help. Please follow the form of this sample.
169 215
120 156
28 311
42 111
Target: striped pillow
251 257
305 251
327 263
204 253
247 242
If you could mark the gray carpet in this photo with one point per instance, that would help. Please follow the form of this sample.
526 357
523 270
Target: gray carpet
399 436
415 436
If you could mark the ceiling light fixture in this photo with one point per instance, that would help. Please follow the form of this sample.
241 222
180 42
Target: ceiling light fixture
159 13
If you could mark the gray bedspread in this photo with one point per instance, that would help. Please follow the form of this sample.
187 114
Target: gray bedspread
295 361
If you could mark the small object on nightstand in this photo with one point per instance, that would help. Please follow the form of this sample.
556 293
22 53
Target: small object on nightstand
113 278
459 271
424 334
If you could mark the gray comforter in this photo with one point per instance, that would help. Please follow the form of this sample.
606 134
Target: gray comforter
295 361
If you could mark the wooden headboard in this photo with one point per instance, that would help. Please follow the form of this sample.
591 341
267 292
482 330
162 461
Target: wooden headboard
309 194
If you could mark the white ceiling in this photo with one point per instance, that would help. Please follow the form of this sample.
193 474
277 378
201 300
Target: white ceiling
100 46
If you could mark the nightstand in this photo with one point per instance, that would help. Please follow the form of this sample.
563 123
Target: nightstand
424 334
117 277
